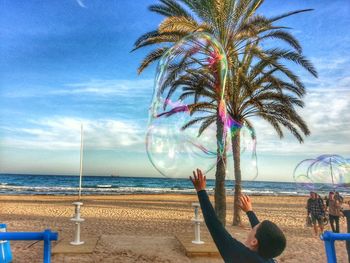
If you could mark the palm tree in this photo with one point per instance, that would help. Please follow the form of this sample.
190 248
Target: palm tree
236 26
199 78
258 90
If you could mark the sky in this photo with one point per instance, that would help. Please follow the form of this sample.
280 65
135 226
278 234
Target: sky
68 62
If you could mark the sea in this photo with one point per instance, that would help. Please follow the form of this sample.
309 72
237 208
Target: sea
33 184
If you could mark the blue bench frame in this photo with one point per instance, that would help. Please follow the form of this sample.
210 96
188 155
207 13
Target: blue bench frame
47 236
329 238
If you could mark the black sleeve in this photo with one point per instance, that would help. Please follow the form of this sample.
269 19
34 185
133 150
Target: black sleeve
253 219
229 248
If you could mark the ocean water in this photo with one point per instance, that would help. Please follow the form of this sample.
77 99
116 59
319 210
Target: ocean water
30 184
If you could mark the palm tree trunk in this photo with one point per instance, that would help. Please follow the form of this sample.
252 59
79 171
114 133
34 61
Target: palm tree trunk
236 149
220 174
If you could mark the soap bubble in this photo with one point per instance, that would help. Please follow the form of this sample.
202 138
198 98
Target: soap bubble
248 156
182 131
302 177
326 172
195 65
249 159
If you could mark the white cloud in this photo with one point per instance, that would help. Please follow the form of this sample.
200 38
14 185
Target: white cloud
63 133
95 87
327 113
81 3
327 64
119 87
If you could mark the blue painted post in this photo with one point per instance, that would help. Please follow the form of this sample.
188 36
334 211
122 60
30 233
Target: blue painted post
5 249
47 246
329 238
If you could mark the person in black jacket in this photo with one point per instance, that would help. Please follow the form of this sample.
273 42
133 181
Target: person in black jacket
264 242
316 210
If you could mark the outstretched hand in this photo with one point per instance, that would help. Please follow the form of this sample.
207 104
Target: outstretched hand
245 203
199 181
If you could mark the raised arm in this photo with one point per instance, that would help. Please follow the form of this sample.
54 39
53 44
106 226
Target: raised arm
246 206
228 247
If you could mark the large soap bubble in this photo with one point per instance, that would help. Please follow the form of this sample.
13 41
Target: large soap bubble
324 173
187 118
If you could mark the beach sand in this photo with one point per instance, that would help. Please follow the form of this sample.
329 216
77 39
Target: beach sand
141 228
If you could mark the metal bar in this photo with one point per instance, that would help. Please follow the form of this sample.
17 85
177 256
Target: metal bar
328 235
27 235
330 162
330 251
47 246
329 238
81 158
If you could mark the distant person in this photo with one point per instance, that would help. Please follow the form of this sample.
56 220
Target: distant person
315 209
334 211
338 197
265 240
346 213
326 200
321 201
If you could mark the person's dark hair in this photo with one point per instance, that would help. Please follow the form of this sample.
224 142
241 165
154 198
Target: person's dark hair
271 240
331 193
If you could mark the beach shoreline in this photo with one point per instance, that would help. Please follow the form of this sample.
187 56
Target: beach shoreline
151 215
105 185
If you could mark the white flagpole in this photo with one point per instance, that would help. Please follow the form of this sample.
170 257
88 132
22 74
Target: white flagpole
81 158
330 162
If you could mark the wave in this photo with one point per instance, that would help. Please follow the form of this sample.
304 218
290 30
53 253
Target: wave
100 189
109 189
68 185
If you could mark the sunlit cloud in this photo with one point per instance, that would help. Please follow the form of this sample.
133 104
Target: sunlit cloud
63 133
117 87
327 113
96 88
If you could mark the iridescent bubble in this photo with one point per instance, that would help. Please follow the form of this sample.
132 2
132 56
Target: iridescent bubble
326 172
188 123
301 175
187 118
248 156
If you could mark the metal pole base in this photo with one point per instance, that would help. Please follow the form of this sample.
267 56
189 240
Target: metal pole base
198 242
75 243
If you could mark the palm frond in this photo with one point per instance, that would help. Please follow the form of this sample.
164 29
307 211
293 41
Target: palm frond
144 37
180 24
169 8
284 36
206 124
194 122
279 17
151 57
293 56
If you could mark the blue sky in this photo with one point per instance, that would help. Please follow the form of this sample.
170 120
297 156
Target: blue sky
66 62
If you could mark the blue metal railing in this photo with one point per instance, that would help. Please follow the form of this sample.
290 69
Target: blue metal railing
329 238
47 236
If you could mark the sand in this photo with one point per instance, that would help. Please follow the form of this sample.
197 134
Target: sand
141 228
